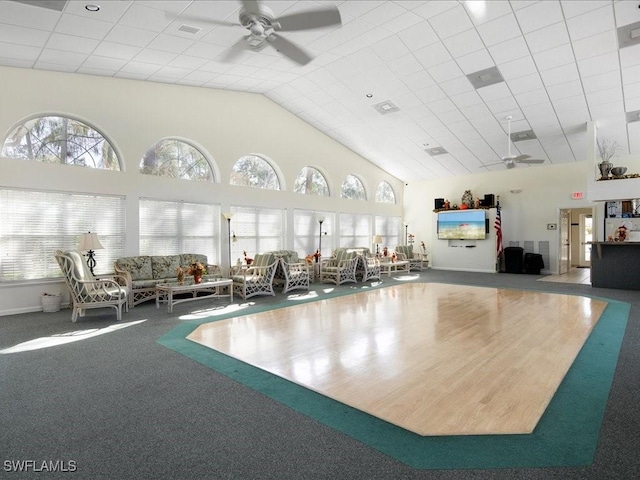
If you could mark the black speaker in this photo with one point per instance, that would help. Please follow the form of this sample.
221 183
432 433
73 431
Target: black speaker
438 203
489 200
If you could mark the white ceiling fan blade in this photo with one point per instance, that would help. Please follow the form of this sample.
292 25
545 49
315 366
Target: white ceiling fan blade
251 6
309 19
520 158
235 50
289 49
531 161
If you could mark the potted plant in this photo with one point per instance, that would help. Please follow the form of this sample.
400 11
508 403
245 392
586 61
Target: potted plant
606 150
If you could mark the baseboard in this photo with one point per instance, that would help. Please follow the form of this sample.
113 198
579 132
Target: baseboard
17 311
476 270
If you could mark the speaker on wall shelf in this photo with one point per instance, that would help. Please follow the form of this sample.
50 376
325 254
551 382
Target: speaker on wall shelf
489 200
438 203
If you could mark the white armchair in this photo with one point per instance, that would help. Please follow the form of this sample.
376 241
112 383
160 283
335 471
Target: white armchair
87 291
341 268
256 279
417 261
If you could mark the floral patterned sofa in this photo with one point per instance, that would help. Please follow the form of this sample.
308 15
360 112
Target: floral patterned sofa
143 272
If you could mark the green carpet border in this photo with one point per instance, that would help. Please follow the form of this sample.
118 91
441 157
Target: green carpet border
566 436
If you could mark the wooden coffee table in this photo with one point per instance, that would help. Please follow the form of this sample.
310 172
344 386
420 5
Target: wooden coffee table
397 266
165 291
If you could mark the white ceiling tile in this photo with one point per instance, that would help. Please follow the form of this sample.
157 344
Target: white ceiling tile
130 36
510 50
451 22
432 9
632 90
548 37
602 81
604 110
139 16
532 97
630 56
172 72
114 50
146 69
22 35
517 68
170 43
430 94
591 23
525 83
571 8
60 57
554 57
432 55
606 62
596 45
402 22
54 67
605 96
565 90
626 13
20 14
417 36
466 99
463 43
83 27
103 72
204 50
539 15
457 86
390 48
357 9
506 104
565 73
382 14
13 51
193 63
491 11
495 91
154 56
418 80
453 117
405 65
631 74
475 111
70 43
103 63
499 30
445 71
474 62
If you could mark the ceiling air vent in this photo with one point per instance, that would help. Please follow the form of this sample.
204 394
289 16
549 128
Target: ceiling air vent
524 135
486 77
633 116
629 35
436 151
189 29
386 107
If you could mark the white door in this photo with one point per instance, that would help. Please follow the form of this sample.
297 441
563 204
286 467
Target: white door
565 241
586 237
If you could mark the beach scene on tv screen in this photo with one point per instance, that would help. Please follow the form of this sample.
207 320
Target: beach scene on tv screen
461 225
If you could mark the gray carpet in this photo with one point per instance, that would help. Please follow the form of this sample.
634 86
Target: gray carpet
119 405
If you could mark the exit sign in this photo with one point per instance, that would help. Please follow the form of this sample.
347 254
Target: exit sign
577 195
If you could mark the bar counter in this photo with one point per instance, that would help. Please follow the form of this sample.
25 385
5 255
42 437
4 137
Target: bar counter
615 265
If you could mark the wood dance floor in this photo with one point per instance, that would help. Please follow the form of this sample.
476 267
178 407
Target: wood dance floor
432 358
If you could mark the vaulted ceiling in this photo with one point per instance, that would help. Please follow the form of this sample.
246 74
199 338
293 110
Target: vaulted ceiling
422 89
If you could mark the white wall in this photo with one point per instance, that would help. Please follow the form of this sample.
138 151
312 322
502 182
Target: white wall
525 215
135 115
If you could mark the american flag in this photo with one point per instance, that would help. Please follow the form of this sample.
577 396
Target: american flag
498 226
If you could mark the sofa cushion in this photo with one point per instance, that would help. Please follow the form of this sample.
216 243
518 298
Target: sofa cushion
187 259
164 266
139 267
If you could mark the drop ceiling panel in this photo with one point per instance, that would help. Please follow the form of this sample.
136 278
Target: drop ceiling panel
559 60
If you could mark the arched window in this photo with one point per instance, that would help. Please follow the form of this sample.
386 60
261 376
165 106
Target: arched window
254 171
311 182
175 158
353 188
385 194
61 140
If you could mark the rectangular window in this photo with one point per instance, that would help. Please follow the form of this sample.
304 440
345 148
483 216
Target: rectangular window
389 229
256 230
34 224
171 228
306 231
355 230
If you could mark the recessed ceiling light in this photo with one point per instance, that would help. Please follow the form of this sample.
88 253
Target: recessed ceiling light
369 95
92 8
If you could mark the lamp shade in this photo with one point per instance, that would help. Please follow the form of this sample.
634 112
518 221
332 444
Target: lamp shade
227 216
89 241
377 239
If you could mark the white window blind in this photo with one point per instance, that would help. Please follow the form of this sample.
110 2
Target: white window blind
389 228
34 224
171 228
355 230
257 230
306 232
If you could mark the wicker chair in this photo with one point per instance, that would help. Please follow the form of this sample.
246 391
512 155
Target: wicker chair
417 261
341 268
87 291
256 279
295 274
368 267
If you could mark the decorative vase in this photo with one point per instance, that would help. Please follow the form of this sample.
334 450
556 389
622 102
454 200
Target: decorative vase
197 277
605 169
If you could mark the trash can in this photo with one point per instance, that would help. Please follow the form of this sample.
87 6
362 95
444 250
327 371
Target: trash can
51 302
513 259
533 263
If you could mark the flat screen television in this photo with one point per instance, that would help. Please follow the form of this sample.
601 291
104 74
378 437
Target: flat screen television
462 225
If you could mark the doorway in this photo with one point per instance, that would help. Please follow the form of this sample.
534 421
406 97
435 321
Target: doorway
576 232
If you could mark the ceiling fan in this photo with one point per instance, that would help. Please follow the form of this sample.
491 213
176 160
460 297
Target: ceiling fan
262 25
511 160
